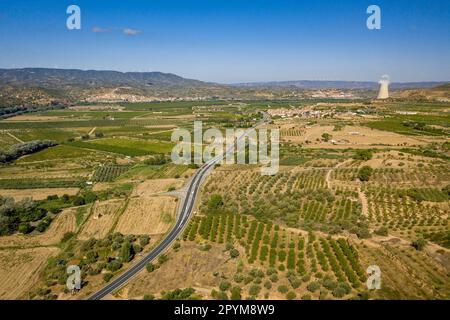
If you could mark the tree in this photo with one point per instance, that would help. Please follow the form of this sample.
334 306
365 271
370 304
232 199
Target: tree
162 258
234 253
236 293
25 228
382 231
313 286
326 136
151 267
215 202
254 290
107 276
126 252
364 173
224 285
283 288
149 297
291 295
158 159
419 244
363 155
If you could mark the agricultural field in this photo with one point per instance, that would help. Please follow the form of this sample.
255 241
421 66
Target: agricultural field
353 190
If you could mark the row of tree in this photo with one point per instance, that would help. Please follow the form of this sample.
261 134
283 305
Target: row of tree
21 149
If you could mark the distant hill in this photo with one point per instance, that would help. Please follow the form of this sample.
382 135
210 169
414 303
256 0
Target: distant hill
53 87
61 78
329 84
439 93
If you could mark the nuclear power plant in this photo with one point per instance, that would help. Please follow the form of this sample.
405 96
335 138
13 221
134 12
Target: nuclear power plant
384 87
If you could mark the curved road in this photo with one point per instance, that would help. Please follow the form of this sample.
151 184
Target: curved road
183 218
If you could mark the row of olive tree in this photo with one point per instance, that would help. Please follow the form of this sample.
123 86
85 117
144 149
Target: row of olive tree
21 149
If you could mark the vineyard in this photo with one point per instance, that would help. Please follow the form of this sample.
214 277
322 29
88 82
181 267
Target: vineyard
108 173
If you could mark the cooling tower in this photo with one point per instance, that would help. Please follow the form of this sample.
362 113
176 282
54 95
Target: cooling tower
384 87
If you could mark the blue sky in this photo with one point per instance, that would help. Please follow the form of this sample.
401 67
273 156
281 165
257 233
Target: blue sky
233 41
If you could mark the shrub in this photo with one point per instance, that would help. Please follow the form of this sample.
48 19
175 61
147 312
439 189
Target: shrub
382 231
313 286
126 252
234 253
363 155
67 236
149 297
291 295
329 284
364 173
254 290
144 240
25 228
162 258
236 293
151 267
283 288
224 285
238 278
215 202
107 276
339 292
419 244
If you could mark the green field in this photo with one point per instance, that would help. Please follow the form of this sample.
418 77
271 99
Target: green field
128 147
58 152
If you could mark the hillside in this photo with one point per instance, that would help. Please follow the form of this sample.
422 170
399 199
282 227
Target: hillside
441 93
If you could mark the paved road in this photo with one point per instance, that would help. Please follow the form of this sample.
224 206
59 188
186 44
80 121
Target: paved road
183 218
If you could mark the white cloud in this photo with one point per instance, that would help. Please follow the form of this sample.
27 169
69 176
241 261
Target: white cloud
131 32
100 30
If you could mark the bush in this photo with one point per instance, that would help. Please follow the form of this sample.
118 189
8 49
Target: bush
313 286
107 276
326 136
236 293
283 288
151 267
329 284
419 244
254 290
162 258
215 202
126 252
114 265
363 155
291 295
25 228
158 159
224 285
268 284
67 236
339 292
364 173
238 278
149 297
382 231
144 240
234 253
